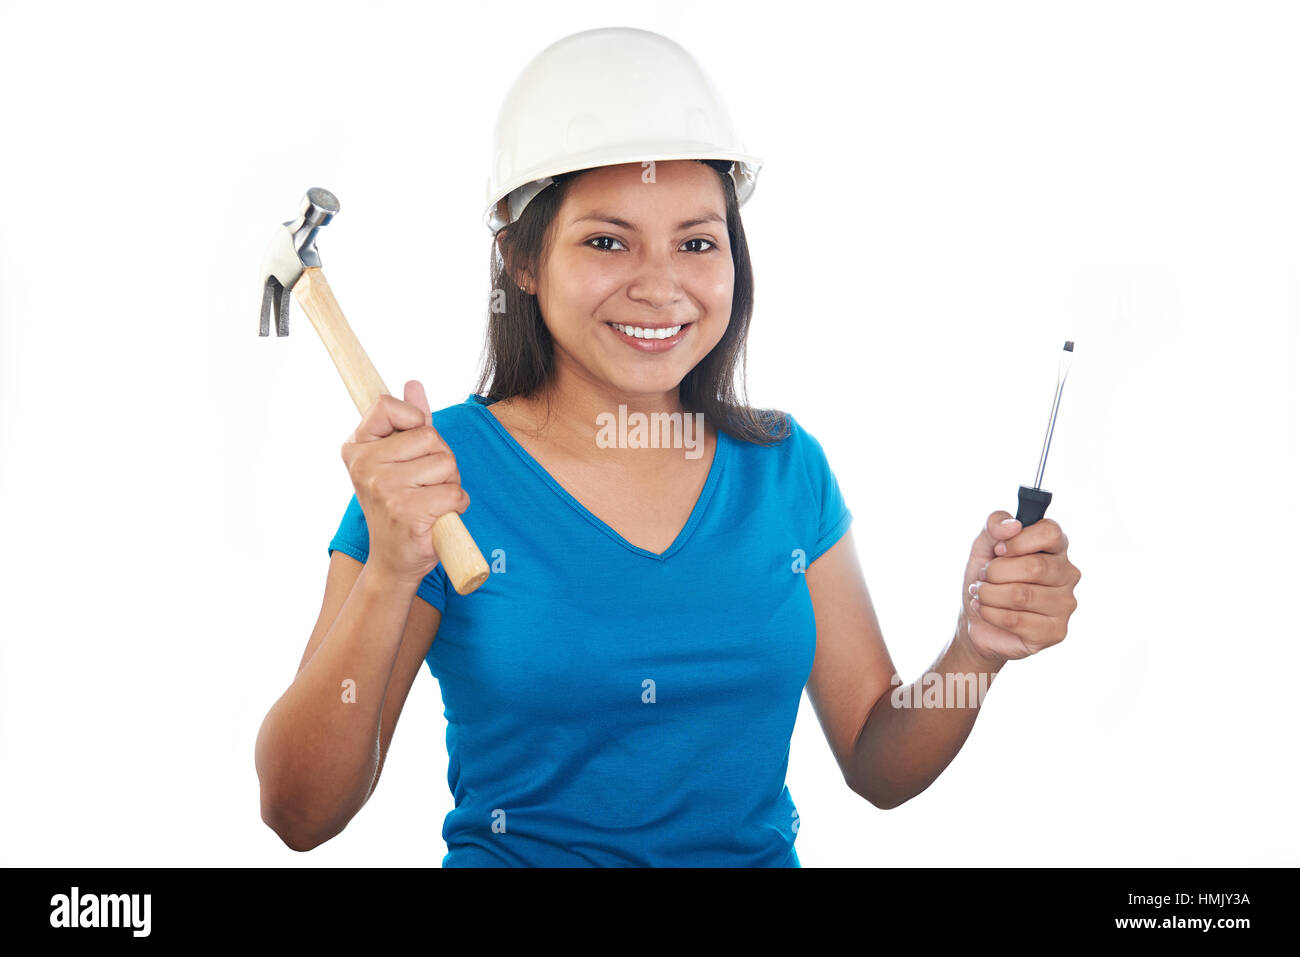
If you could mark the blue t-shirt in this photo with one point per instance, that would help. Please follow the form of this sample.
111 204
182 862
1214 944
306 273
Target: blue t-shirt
609 706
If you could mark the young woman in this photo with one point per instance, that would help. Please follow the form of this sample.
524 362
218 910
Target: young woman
671 568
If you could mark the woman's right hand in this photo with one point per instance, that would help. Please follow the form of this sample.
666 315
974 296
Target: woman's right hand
405 478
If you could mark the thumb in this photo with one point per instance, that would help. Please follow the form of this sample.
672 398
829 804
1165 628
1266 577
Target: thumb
994 532
1002 526
413 392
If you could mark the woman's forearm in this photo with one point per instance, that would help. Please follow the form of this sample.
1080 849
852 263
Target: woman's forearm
913 732
318 748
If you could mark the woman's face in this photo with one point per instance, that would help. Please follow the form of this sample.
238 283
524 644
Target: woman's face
645 253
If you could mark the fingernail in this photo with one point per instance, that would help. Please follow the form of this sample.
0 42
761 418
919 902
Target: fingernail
1000 548
974 589
984 573
1010 521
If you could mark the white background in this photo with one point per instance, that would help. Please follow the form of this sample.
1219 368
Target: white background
951 190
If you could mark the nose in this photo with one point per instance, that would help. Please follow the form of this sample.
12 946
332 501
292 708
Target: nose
655 282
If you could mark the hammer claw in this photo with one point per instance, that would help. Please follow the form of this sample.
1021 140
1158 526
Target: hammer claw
282 310
268 292
275 296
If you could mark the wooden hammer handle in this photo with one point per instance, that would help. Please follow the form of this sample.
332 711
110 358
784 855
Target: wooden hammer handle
460 557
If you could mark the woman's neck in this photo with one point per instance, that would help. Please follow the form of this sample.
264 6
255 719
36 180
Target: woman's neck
571 411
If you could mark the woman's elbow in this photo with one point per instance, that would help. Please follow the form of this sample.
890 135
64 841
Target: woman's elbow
295 836
878 799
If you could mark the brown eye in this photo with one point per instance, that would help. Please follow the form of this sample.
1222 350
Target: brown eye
601 239
712 245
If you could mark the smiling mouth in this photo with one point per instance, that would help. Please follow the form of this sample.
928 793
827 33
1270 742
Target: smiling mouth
647 332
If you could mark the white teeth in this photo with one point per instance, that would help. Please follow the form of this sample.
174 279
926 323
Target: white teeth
639 332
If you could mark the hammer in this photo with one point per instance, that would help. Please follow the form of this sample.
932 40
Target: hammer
292 265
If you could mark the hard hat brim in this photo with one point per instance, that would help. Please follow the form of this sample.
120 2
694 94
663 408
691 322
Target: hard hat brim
744 171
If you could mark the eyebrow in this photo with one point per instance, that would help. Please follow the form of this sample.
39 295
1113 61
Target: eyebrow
597 216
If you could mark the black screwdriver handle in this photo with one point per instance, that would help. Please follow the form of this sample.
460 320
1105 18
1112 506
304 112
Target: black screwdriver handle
1033 505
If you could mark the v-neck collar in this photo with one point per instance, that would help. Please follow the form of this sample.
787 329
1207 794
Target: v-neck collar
701 503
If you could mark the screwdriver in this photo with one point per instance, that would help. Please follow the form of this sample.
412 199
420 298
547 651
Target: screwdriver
1034 501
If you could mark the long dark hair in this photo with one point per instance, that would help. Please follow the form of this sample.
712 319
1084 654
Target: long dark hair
519 355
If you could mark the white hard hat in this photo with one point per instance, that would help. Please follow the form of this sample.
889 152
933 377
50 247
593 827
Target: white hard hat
601 98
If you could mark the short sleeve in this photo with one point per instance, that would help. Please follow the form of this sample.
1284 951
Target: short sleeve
832 512
353 538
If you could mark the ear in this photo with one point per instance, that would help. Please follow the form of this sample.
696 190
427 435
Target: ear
502 240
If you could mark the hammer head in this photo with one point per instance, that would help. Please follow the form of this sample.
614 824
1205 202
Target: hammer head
291 250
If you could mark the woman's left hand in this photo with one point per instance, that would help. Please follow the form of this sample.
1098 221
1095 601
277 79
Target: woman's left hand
1019 590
